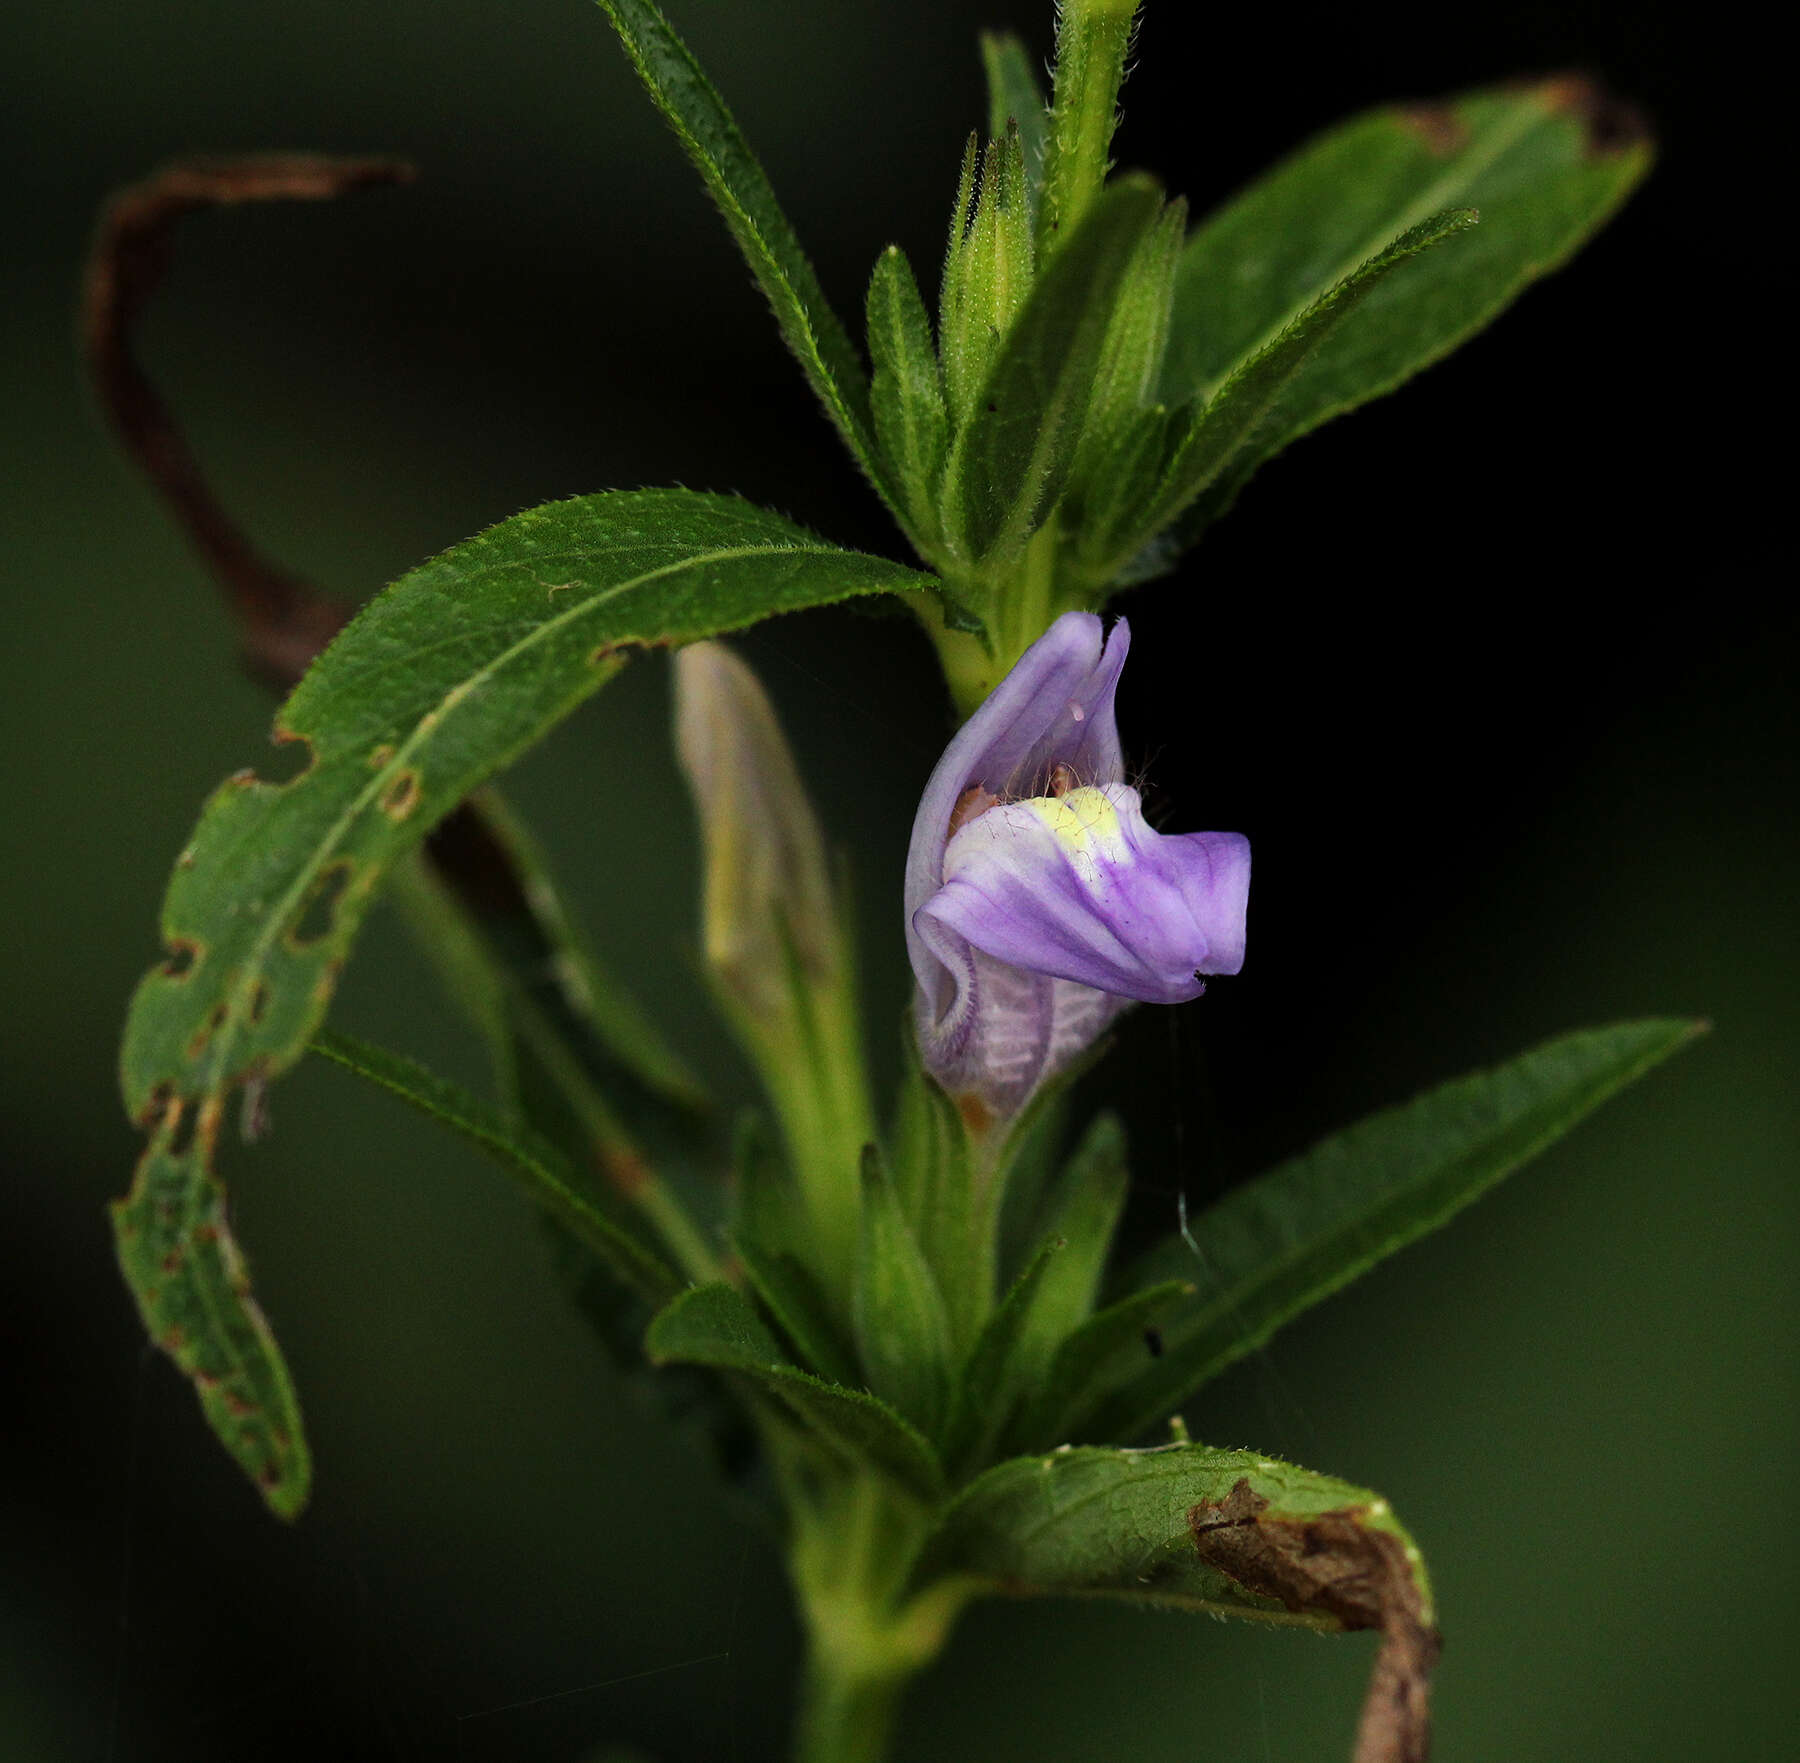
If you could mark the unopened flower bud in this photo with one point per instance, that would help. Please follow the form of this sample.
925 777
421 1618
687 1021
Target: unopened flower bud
767 902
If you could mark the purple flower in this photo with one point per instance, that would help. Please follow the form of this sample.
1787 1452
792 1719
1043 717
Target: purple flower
1039 902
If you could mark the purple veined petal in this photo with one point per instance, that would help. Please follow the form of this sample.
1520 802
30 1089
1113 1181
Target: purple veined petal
1007 1029
1081 888
1055 706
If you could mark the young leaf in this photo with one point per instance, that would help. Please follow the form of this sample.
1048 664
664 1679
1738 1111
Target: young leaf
1011 461
1545 165
993 1373
538 1167
1106 1350
1093 39
709 133
1015 98
1227 438
1084 1213
902 1332
1288 1239
1191 1528
1132 358
442 679
910 421
988 273
714 1325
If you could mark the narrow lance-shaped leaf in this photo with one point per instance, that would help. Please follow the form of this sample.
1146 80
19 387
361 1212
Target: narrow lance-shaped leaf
441 680
1233 431
1288 1239
1110 1348
987 275
988 1382
1083 1216
911 424
1015 97
738 184
1132 358
902 1331
1545 164
1189 1527
714 1325
539 1168
1012 460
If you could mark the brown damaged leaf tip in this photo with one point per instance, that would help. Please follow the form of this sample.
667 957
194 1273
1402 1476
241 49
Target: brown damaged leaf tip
1338 1566
283 621
1610 124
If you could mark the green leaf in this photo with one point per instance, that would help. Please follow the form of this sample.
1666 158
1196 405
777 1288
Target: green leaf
1123 1523
1014 97
910 420
1106 1350
517 907
192 1287
441 680
988 272
714 1325
1132 358
1093 39
771 1238
902 1332
1545 165
1227 438
1191 1528
1011 462
992 1374
1291 1237
538 1166
738 184
1084 1214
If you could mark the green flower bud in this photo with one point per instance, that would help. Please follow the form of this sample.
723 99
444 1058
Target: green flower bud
767 904
774 950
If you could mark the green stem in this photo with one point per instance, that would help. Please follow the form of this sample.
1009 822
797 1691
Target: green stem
856 1541
1020 604
1092 38
844 1719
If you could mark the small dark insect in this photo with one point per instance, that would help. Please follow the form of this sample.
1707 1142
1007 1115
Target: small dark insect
1153 1340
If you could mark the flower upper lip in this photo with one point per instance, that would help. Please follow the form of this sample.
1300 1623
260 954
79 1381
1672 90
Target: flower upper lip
1038 899
1056 705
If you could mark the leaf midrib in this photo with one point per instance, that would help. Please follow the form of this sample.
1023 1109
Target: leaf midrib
231 1035
1437 195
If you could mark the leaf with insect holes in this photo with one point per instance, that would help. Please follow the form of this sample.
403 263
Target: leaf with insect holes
447 676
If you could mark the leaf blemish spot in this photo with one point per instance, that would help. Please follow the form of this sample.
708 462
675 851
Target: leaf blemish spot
402 794
178 1126
1438 126
215 1020
318 912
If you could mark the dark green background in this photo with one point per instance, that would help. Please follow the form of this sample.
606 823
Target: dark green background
1478 671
